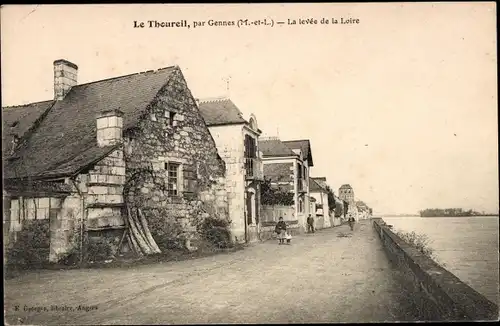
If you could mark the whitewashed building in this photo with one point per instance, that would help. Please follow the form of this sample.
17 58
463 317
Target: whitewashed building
237 141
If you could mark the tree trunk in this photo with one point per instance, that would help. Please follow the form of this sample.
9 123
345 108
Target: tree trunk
133 244
141 241
147 232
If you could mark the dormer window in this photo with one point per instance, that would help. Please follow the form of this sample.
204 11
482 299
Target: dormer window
252 124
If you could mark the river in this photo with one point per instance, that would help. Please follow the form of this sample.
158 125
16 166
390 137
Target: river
466 246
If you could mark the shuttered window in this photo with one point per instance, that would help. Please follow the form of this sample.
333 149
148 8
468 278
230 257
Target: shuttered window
250 147
190 177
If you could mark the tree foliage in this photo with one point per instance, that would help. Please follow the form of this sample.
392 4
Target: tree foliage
331 198
275 195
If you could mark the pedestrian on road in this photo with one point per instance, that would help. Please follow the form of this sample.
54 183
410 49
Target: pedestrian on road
310 224
280 229
351 222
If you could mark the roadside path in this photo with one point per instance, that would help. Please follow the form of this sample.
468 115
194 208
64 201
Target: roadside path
323 277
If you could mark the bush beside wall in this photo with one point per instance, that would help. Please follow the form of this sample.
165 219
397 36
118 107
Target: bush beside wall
32 246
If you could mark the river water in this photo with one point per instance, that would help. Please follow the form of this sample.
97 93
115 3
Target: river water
466 246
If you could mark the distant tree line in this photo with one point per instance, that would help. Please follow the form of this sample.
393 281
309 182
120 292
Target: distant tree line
448 212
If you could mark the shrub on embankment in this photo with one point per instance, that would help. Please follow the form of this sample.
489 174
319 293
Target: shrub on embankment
436 293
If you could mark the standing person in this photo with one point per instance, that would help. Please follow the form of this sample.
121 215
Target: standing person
351 222
310 224
280 229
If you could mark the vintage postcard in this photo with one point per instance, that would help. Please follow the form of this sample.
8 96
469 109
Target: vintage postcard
250 163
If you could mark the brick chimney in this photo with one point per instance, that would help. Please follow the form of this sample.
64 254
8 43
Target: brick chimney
65 77
109 127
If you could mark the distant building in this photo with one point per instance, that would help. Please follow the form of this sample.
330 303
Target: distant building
346 193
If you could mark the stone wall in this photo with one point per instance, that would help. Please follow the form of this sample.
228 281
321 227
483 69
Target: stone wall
65 227
437 293
272 213
62 214
267 230
172 134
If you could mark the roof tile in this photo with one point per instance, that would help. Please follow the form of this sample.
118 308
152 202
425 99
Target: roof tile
274 147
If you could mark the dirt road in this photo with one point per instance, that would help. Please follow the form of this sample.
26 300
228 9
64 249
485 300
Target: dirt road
320 277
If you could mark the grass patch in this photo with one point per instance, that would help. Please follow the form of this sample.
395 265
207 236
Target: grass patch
421 242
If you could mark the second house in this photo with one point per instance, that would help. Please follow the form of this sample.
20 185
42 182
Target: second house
237 142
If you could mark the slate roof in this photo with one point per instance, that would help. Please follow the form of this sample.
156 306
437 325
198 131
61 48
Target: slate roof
36 187
218 112
321 181
65 140
17 120
346 186
274 147
304 145
314 186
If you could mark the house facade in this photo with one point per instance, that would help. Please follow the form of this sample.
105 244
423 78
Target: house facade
79 163
237 141
317 189
287 165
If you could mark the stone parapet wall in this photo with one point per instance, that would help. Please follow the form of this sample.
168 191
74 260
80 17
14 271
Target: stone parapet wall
438 294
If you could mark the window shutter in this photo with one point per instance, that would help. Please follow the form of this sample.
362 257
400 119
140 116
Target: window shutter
254 148
257 208
247 146
190 179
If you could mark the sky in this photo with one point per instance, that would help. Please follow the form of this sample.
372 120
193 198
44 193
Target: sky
402 106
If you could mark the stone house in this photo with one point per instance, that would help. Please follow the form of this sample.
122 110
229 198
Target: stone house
237 141
287 164
77 162
317 189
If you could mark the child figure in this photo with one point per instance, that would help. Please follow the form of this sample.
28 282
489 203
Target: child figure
288 237
280 229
